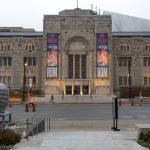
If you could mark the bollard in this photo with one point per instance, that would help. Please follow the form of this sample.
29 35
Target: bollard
9 104
33 107
120 103
27 107
132 102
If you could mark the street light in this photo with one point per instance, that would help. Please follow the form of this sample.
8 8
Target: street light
24 81
129 78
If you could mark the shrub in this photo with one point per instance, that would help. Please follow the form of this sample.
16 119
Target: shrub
3 147
8 137
144 139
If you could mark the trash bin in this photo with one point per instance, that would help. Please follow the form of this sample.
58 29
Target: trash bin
4 97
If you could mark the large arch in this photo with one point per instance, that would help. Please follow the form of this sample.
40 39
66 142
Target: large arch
77 43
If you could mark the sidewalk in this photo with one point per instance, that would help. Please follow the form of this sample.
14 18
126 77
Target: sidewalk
82 140
57 100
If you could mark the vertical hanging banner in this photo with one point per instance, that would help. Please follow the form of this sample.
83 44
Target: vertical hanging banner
52 55
102 55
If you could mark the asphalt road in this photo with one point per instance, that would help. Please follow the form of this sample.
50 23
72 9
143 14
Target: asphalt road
84 116
81 112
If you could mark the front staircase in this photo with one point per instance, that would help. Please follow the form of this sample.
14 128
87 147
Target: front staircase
76 99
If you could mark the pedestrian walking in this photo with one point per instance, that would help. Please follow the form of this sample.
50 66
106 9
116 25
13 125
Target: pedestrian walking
52 99
141 98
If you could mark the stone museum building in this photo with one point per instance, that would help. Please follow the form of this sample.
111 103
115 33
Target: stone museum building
79 52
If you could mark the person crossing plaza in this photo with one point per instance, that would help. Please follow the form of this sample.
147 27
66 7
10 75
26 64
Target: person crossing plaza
52 99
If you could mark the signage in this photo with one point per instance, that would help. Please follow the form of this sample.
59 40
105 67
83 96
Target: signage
102 55
52 55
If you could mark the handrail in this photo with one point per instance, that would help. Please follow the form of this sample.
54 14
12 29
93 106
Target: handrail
36 126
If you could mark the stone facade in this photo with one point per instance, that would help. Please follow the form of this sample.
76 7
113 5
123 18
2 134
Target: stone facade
136 52
17 45
77 32
77 36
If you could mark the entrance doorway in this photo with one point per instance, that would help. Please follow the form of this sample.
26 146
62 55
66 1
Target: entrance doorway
68 90
85 90
76 90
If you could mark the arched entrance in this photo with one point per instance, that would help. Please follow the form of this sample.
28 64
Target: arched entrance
77 81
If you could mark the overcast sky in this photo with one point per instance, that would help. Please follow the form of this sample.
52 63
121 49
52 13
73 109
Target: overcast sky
29 13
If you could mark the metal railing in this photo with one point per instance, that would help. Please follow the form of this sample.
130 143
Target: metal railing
36 126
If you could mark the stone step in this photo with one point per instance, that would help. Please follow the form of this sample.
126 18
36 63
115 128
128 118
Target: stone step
82 140
76 99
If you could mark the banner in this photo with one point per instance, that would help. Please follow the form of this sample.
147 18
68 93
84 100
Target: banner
52 38
102 55
52 71
52 55
102 72
102 38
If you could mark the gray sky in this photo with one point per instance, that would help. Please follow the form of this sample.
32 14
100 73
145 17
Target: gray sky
29 13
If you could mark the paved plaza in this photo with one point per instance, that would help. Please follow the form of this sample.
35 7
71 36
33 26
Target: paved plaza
83 126
82 140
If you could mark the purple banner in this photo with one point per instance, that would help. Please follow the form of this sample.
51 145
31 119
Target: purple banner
102 38
52 38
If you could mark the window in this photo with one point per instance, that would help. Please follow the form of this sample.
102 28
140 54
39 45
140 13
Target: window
146 61
83 67
68 90
76 90
77 66
32 47
31 61
147 81
124 80
1 61
120 81
85 90
70 66
124 61
5 61
147 47
4 47
6 80
124 47
31 79
29 47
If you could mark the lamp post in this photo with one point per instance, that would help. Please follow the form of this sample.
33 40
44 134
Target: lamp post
129 78
24 81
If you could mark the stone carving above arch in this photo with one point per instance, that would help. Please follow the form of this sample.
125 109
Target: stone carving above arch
77 43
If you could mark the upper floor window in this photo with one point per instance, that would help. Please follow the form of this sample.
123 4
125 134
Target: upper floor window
31 61
5 61
29 47
125 47
4 47
124 61
147 47
146 61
